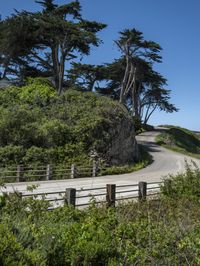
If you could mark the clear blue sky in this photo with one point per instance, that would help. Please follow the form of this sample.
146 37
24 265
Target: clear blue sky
174 24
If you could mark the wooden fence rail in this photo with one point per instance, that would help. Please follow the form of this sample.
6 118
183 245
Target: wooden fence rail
109 194
21 173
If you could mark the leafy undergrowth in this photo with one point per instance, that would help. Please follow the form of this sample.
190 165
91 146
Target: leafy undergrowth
161 231
180 140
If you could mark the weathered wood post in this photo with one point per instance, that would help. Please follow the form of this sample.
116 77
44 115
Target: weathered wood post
94 169
94 157
20 173
70 196
49 172
73 171
19 194
110 195
142 190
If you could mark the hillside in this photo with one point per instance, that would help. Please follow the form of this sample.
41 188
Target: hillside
180 140
39 127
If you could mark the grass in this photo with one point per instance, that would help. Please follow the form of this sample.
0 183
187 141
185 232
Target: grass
180 140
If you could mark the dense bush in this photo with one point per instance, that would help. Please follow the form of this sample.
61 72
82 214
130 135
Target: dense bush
164 231
37 126
11 154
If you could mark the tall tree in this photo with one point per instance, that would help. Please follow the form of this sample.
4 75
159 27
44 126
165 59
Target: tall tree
133 46
149 93
49 39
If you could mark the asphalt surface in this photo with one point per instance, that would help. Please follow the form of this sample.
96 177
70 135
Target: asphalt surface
165 162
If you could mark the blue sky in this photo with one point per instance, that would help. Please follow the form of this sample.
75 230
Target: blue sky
174 24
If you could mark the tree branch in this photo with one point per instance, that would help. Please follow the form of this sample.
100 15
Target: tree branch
41 60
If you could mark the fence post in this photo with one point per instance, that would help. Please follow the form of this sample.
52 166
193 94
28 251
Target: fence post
110 194
94 169
70 196
20 173
73 171
19 194
142 190
49 172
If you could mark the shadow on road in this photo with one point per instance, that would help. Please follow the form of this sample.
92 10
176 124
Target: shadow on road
149 146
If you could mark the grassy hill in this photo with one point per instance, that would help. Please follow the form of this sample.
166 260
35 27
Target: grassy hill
181 140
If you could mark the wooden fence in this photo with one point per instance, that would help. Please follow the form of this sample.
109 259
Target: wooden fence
22 173
109 194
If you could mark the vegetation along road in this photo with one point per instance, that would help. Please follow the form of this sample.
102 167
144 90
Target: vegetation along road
165 162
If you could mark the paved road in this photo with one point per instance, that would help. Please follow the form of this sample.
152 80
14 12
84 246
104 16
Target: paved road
165 162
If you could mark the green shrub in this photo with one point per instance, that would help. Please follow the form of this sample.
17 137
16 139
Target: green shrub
11 154
11 251
184 184
53 133
34 155
156 232
56 129
37 92
18 125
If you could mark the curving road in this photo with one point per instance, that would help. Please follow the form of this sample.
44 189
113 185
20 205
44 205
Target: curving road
165 162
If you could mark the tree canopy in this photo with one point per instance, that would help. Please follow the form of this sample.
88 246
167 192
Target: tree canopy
49 43
42 42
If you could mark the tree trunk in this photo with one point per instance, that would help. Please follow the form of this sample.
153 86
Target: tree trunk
148 115
91 84
61 74
58 67
135 101
6 66
123 85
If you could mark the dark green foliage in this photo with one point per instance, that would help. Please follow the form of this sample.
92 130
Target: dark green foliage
87 77
134 40
37 126
48 5
11 155
135 82
40 43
